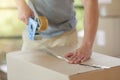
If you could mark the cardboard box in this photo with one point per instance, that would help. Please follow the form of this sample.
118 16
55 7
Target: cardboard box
111 39
110 10
38 65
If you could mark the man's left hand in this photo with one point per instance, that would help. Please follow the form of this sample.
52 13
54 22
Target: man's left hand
79 55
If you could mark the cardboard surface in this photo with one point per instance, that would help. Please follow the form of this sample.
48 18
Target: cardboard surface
110 28
39 65
110 10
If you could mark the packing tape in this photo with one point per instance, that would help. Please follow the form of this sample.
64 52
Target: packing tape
44 23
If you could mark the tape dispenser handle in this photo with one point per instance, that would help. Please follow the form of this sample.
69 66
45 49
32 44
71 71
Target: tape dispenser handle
32 27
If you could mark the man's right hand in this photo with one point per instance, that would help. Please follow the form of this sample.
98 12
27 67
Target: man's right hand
24 11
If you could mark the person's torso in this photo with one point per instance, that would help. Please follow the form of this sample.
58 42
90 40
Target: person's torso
60 14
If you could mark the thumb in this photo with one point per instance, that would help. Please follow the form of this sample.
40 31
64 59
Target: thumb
26 21
68 55
32 15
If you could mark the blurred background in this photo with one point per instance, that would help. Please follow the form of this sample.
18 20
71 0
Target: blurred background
107 39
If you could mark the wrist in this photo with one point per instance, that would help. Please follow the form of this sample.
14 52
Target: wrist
87 45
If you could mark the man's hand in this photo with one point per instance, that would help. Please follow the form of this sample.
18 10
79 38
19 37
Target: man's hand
24 12
90 27
79 55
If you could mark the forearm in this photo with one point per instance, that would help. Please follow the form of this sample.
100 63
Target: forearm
91 22
20 3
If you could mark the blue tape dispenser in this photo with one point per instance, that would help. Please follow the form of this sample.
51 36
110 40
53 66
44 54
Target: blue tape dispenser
36 25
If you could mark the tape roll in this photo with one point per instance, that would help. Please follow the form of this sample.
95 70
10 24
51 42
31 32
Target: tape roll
44 23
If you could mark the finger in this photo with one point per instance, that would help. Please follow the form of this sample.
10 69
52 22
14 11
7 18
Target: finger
76 58
32 15
79 60
73 56
26 21
77 54
68 55
85 59
73 61
23 20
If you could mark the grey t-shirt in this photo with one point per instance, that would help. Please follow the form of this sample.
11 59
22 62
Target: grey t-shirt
60 15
